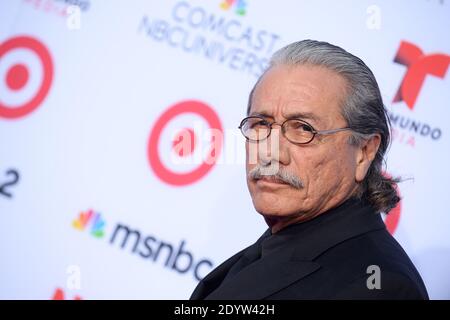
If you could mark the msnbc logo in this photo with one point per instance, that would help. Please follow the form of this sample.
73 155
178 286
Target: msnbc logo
93 220
173 256
239 6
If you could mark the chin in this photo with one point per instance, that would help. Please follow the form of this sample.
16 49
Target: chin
275 206
275 200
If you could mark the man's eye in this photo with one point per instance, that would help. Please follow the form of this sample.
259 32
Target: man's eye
301 127
307 128
260 123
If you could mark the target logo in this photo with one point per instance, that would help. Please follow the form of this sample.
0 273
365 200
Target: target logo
185 143
26 74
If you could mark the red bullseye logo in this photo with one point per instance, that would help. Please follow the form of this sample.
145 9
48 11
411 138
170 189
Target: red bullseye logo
18 74
184 143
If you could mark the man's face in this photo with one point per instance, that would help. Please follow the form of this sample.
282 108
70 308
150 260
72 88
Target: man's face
325 166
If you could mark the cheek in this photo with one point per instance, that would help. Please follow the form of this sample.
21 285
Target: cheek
321 170
338 169
344 160
307 164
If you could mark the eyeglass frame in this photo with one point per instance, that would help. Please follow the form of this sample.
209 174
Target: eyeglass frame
270 124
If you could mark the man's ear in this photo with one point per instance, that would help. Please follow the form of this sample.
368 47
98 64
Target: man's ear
365 155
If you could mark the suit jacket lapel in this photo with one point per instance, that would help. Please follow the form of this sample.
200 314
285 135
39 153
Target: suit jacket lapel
215 278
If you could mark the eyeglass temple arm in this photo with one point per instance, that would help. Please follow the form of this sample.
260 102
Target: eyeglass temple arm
332 130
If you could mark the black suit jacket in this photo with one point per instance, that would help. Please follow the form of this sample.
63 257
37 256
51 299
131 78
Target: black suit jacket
324 258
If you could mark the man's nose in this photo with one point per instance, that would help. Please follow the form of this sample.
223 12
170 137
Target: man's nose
274 148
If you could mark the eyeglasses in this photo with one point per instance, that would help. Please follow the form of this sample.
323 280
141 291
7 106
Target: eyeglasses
295 130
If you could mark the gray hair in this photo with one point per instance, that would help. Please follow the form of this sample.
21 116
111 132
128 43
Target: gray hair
363 109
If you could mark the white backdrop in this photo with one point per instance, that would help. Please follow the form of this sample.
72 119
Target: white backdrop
94 95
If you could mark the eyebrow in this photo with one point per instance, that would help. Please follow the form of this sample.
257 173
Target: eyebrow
295 115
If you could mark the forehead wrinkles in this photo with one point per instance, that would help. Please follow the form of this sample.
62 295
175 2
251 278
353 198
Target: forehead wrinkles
300 89
284 93
286 99
299 92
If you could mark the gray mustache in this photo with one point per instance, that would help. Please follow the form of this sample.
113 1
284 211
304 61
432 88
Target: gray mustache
259 172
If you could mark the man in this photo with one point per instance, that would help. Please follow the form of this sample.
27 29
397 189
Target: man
316 132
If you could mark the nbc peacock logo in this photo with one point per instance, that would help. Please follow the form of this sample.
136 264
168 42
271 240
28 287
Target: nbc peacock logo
239 6
92 221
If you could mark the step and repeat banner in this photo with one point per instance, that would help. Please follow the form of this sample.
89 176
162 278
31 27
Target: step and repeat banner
122 171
